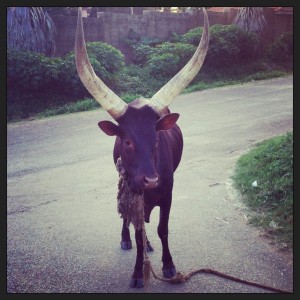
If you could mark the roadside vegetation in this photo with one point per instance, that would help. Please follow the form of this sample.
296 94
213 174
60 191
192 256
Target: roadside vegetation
41 86
264 178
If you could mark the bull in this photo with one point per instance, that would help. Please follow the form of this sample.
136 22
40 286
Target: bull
148 141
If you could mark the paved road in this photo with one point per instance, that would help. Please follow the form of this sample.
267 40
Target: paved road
63 230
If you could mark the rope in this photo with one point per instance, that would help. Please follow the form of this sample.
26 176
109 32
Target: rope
131 207
180 278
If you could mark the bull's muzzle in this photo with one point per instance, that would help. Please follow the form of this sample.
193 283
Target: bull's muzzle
150 183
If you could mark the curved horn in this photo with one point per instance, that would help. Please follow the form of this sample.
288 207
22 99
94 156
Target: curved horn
114 105
173 88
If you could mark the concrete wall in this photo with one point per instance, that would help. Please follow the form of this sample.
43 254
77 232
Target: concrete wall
112 28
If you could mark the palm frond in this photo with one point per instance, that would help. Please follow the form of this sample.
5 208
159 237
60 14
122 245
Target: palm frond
251 19
30 28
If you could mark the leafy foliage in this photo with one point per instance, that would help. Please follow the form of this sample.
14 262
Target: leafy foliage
163 65
191 37
281 50
141 47
137 81
230 45
36 82
110 58
141 53
182 50
167 59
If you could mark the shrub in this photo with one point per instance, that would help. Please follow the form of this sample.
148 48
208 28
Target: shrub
110 58
141 47
142 50
168 58
281 50
105 59
30 71
135 80
36 82
181 50
141 54
32 81
192 36
228 45
163 65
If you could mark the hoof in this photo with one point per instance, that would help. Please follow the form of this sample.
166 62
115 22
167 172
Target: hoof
149 248
126 245
137 283
169 273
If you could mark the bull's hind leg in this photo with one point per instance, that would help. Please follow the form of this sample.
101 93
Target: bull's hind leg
126 243
168 269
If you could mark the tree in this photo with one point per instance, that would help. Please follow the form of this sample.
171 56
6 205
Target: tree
251 19
30 28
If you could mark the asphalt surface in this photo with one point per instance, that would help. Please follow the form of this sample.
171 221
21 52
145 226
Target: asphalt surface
63 229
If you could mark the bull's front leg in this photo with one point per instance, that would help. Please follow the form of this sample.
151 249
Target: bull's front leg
168 269
126 243
137 276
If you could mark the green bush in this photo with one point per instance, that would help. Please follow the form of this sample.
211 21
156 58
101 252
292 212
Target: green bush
181 50
36 82
163 65
136 80
33 83
105 59
281 50
141 54
228 45
167 59
110 58
141 47
31 71
191 37
142 50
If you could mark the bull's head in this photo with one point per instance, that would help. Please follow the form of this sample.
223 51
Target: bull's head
140 121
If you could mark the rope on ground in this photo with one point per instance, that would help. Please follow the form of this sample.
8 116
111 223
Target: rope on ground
179 278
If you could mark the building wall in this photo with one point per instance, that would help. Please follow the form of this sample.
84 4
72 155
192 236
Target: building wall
112 28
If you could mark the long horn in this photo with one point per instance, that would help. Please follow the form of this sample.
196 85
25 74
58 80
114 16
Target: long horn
114 105
173 88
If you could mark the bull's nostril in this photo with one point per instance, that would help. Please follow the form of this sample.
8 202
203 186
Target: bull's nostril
150 182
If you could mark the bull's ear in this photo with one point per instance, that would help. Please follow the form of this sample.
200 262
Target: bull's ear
109 128
167 121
